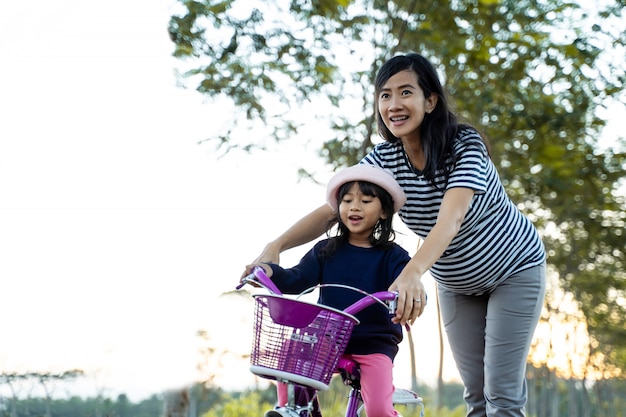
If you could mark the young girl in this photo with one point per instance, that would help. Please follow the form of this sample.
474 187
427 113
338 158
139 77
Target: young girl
362 255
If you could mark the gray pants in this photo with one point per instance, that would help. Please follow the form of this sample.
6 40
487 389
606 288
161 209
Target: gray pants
490 336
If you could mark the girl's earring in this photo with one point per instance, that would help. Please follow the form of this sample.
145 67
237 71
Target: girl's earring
378 229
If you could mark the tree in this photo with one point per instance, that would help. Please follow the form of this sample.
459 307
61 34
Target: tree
533 75
47 380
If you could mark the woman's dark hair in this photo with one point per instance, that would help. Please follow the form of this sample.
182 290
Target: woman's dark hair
382 234
439 126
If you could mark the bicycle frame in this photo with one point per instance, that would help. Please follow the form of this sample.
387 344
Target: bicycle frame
302 391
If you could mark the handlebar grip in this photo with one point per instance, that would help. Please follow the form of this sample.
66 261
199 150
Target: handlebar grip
259 276
243 282
264 280
371 299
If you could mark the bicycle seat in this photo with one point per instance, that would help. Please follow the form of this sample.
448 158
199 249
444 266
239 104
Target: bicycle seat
282 412
405 396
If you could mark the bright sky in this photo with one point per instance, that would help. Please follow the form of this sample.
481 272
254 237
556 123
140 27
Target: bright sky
118 231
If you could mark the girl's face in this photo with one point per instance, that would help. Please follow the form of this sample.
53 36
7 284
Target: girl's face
360 213
402 105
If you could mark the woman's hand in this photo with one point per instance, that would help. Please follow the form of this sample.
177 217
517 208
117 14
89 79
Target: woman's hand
411 296
303 231
270 254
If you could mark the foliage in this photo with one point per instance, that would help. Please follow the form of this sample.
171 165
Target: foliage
460 411
551 396
83 407
533 75
333 403
203 398
248 404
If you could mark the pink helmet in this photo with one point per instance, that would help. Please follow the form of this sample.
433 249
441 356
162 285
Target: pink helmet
369 173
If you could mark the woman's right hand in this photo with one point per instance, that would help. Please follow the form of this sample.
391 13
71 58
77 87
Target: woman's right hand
303 231
270 255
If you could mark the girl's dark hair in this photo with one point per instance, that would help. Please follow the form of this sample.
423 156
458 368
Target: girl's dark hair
439 126
382 234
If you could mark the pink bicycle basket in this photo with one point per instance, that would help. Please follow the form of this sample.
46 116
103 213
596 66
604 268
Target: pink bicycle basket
297 341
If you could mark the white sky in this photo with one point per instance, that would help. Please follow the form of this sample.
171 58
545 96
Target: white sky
118 231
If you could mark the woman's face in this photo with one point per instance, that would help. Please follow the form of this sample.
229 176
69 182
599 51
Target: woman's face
402 105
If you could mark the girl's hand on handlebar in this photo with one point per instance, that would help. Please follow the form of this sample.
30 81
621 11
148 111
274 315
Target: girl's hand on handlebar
250 269
259 276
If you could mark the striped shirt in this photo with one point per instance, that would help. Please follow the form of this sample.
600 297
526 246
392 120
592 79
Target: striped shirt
495 239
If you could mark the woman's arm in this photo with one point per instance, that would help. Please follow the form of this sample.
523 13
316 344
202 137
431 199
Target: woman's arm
409 285
303 231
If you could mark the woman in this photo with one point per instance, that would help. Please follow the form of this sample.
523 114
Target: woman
485 255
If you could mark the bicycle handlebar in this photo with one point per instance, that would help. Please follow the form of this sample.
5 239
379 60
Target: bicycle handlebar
377 297
258 276
387 298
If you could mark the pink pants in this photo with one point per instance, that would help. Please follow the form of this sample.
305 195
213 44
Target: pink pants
376 385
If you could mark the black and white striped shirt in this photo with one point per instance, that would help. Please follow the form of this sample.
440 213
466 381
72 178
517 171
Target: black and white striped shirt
495 240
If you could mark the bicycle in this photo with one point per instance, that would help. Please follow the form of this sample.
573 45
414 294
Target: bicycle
302 344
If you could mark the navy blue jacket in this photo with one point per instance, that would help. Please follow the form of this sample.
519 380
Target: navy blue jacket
369 269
